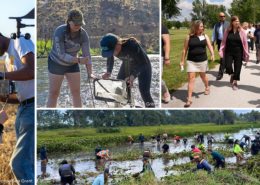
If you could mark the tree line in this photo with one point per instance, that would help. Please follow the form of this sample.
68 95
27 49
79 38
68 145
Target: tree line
54 119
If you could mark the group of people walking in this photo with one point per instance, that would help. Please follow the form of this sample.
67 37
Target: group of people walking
234 40
63 60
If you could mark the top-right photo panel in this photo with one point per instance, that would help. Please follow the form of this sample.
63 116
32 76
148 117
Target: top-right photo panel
210 54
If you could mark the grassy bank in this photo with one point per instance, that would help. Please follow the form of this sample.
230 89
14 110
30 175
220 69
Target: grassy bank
84 139
172 76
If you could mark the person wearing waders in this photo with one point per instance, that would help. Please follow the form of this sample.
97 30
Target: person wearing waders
135 62
234 49
67 173
217 36
63 60
209 138
197 61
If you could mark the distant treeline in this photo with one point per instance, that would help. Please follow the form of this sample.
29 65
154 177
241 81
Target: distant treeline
54 119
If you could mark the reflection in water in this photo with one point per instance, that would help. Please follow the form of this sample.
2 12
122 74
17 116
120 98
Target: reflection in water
99 68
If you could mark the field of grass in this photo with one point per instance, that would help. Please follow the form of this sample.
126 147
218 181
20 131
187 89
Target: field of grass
172 76
7 147
85 139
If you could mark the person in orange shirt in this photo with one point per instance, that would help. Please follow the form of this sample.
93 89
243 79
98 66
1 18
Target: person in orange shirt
177 138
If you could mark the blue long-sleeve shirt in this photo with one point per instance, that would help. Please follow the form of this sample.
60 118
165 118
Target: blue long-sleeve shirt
220 33
43 154
141 138
243 143
100 180
217 156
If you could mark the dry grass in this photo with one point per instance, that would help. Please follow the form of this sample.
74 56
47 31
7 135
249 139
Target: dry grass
7 147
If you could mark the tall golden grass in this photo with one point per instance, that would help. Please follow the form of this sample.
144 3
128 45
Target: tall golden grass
7 147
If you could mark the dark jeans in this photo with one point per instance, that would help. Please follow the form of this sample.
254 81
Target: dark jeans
257 47
222 62
235 56
249 44
252 42
209 141
220 163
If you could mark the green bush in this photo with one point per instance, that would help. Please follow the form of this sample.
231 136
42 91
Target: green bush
108 130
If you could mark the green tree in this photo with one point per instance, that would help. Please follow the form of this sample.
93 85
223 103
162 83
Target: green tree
199 11
170 8
212 116
178 24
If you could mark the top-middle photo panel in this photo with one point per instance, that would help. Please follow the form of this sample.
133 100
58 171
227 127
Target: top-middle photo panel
98 54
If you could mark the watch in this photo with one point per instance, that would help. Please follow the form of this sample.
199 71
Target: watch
1 76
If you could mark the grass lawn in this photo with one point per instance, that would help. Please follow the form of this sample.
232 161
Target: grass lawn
172 76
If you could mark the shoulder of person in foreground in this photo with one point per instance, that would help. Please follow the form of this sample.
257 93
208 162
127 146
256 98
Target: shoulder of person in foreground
23 46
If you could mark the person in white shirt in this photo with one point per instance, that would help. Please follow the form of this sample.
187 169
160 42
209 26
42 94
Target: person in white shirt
248 33
252 29
20 67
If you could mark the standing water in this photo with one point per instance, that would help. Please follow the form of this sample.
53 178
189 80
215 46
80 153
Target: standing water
98 69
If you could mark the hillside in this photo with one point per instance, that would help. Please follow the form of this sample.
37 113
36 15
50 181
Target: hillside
125 18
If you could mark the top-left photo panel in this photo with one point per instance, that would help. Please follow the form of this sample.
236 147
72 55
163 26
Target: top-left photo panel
98 54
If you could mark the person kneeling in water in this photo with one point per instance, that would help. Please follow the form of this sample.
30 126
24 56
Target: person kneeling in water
146 168
165 149
67 173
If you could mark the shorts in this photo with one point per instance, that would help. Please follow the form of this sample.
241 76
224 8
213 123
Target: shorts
57 69
142 141
99 157
158 140
218 163
164 139
132 141
235 154
66 180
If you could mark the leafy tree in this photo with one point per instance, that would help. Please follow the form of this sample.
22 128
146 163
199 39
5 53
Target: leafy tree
178 24
170 8
212 115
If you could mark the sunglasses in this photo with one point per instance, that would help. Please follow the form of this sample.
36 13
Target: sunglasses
222 16
198 21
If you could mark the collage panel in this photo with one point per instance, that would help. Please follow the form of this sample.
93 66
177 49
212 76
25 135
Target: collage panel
98 54
211 54
158 147
17 92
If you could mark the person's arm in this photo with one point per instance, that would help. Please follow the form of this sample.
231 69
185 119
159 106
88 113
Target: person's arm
11 99
108 156
210 49
60 171
213 36
72 169
143 170
3 117
166 40
168 150
185 49
110 65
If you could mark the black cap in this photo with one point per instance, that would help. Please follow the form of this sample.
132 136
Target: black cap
64 162
106 171
108 44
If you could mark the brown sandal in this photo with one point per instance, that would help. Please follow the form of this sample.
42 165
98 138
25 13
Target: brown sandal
207 91
188 104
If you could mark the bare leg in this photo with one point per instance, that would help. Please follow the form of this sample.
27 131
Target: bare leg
204 79
74 84
55 82
191 84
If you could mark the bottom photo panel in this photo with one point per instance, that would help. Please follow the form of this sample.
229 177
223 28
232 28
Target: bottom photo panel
148 147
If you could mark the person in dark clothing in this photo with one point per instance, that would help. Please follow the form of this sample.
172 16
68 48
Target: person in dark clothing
98 149
158 138
43 154
152 138
147 153
210 138
247 138
255 148
220 160
185 140
136 63
141 138
257 42
201 138
67 173
218 32
165 149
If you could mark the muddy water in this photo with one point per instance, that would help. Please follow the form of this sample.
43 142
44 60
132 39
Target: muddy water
99 68
130 167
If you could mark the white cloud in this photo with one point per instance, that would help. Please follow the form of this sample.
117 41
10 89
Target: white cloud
187 8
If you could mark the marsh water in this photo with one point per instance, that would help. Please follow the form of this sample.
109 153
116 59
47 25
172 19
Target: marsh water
98 69
129 167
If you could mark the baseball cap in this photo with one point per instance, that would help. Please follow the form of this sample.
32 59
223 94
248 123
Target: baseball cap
98 146
106 171
108 44
76 16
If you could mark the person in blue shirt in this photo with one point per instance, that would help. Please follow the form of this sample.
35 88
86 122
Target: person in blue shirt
257 44
141 138
217 36
146 168
242 144
202 164
102 178
43 155
220 160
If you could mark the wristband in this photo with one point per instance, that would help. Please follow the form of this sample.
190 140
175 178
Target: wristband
79 60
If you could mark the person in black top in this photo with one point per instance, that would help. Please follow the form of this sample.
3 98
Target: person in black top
196 42
185 140
141 138
255 148
247 138
67 173
152 138
165 60
158 138
136 63
165 149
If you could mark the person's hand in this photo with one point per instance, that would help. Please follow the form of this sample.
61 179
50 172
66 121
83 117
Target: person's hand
223 160
213 47
167 63
3 117
131 81
84 60
213 58
106 75
181 64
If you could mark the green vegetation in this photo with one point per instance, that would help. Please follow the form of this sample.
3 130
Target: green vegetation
172 75
73 139
108 130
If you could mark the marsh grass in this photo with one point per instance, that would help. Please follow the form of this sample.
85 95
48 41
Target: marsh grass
7 147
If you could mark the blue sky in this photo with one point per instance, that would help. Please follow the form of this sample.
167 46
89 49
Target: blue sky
186 6
16 8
